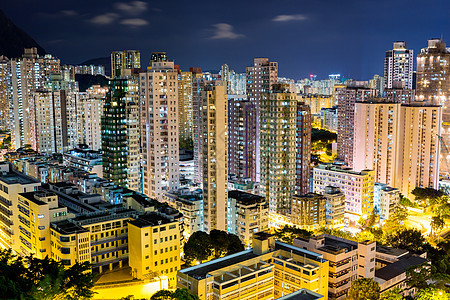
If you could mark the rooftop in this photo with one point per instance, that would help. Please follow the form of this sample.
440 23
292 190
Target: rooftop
150 219
395 269
14 177
299 251
335 245
302 294
67 227
30 197
341 169
200 271
245 198
391 251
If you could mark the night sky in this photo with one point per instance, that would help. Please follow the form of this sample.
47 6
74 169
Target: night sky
306 37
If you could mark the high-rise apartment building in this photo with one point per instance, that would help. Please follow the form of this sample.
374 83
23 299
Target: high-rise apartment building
121 122
399 66
433 67
185 103
198 83
121 61
329 118
317 102
215 157
159 98
346 98
260 78
114 133
433 85
378 83
90 110
27 75
278 147
4 93
303 153
51 121
376 140
419 147
241 134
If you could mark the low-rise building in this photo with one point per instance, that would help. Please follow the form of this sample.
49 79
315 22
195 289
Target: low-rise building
303 294
348 261
37 210
247 214
394 275
269 270
308 211
357 187
385 200
11 184
154 247
335 207
85 159
190 204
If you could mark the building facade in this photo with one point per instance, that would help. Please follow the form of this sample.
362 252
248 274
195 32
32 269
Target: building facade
303 145
260 78
247 214
399 66
241 133
278 147
357 187
308 211
433 86
160 145
215 158
346 98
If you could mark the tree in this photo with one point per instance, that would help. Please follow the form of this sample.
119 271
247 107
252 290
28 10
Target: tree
184 294
437 223
417 276
234 244
33 278
408 239
364 289
201 246
198 247
432 294
287 234
399 214
429 196
219 242
178 294
394 294
162 295
336 232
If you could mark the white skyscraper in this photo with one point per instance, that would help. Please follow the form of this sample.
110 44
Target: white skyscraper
399 66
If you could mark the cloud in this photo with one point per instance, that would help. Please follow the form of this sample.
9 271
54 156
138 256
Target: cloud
131 8
287 18
225 31
105 19
136 22
69 13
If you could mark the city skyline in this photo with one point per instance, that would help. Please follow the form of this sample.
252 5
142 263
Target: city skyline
315 38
